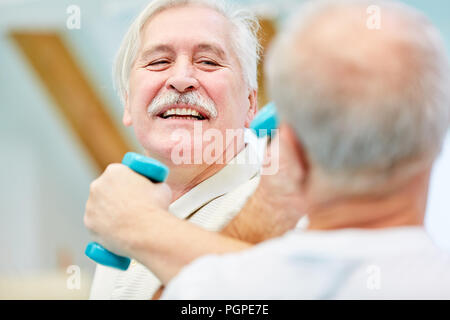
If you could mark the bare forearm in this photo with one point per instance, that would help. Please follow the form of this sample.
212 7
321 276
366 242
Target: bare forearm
170 243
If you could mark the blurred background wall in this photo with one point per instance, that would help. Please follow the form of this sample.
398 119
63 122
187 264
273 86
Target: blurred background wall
56 96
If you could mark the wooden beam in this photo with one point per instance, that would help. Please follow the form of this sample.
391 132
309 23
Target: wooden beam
73 95
265 36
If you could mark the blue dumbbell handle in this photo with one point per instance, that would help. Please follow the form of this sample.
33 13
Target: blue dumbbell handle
150 168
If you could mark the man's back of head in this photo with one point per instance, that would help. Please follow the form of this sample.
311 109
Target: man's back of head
368 102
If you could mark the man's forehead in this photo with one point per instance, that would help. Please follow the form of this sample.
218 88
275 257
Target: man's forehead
187 21
170 47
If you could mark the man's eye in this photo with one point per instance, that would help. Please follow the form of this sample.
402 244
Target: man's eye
159 62
209 63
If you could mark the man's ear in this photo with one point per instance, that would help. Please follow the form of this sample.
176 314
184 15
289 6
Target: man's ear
295 147
126 118
253 107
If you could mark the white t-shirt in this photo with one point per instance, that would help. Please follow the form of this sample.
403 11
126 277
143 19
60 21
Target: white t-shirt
391 263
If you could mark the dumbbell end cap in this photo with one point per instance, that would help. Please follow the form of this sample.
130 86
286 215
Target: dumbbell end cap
102 256
150 168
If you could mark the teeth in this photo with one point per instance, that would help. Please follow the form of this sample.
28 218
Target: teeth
181 112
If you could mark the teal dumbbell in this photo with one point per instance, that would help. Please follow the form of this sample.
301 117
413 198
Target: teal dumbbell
265 121
150 168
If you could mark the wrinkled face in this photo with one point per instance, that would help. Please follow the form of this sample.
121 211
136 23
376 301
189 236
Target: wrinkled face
186 73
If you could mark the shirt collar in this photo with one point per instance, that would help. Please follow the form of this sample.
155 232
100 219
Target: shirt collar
240 169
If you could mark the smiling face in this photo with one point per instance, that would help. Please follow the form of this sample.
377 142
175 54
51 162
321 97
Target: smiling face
186 73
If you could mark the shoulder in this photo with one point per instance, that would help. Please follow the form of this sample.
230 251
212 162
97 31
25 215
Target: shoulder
306 266
272 270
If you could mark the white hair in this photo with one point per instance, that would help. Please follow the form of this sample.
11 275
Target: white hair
244 39
361 131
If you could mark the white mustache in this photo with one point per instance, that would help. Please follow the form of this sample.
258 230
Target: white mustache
192 98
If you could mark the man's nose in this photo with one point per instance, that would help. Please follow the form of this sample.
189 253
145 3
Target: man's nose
182 79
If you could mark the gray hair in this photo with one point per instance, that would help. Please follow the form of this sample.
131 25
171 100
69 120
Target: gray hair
359 130
244 39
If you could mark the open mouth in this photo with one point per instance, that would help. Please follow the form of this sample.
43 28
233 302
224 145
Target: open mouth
182 113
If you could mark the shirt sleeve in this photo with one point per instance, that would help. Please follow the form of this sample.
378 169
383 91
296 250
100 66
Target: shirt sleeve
103 282
202 279
273 270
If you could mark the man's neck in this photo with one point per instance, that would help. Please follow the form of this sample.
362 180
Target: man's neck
182 179
404 207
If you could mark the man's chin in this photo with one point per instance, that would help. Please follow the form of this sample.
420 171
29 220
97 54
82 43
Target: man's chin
176 153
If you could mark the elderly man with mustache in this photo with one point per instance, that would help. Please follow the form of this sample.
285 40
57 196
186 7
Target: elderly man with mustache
188 67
